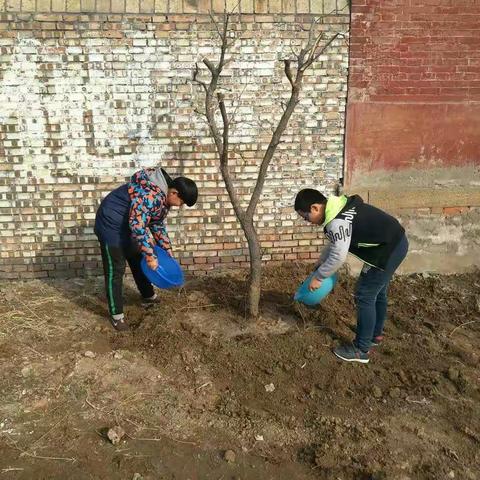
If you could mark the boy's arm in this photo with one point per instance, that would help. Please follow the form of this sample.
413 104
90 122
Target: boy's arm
339 232
323 256
138 221
160 234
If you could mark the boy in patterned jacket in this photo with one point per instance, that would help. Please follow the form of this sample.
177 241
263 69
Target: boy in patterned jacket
129 223
373 236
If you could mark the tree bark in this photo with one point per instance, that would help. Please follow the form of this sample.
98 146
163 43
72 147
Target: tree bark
255 275
307 55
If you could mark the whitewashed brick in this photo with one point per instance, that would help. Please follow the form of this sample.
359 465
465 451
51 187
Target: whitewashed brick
81 114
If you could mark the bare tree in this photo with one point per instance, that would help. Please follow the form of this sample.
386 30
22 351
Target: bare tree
314 46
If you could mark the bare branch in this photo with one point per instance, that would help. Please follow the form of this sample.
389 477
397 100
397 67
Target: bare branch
288 71
236 6
210 66
314 54
196 72
293 52
346 6
260 126
210 114
227 61
221 139
344 35
301 59
317 55
221 143
236 150
232 116
233 9
315 46
264 121
198 112
311 32
275 140
308 54
223 111
312 36
224 46
212 17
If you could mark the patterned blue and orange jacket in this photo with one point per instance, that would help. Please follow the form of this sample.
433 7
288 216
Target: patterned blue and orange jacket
135 211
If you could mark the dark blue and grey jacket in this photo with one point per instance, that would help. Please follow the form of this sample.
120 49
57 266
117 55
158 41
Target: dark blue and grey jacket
355 227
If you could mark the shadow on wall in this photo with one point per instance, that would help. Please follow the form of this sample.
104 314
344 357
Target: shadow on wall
71 263
73 252
74 269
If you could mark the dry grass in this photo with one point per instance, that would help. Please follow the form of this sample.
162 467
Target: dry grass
36 315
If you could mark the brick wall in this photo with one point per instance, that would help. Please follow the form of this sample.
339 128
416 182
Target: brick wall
88 98
414 85
413 122
175 6
423 51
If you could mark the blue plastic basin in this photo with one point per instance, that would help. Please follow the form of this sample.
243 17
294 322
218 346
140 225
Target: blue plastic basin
168 274
307 297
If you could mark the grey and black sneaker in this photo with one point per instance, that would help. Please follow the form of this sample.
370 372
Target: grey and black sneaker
148 302
376 341
350 353
118 322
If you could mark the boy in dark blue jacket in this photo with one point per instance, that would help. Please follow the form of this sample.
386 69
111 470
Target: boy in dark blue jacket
129 223
371 235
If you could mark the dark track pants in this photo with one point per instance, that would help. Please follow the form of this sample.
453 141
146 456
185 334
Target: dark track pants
114 263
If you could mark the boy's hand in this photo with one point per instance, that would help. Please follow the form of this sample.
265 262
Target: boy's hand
314 284
152 262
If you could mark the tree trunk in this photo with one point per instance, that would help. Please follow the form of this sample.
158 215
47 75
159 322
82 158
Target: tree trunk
255 271
305 58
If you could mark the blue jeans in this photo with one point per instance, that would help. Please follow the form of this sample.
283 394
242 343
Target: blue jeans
371 297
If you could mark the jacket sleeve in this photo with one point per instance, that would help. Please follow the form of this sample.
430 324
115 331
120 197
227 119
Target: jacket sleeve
139 222
160 234
323 256
339 232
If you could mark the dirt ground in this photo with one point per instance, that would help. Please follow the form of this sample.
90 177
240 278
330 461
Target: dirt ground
194 380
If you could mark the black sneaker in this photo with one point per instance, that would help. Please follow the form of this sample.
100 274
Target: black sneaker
148 302
119 323
350 353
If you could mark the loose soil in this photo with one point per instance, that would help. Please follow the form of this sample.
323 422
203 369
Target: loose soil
202 393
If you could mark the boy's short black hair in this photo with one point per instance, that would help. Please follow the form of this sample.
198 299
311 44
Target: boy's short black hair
186 188
306 198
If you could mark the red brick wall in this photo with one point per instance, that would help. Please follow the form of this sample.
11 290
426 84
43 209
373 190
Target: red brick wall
414 86
413 123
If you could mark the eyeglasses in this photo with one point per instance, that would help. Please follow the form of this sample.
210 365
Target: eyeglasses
304 215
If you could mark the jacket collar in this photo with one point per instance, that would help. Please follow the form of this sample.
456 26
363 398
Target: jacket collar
334 207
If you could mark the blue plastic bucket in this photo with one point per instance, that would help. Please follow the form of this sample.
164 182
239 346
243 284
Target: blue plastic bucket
168 274
307 297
